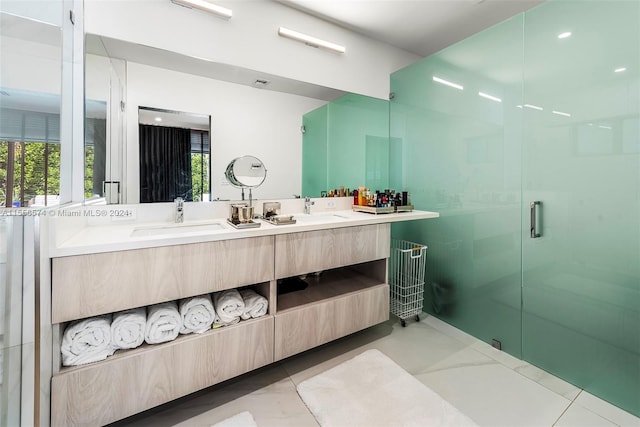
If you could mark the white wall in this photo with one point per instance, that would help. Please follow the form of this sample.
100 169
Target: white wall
250 40
49 11
244 120
30 66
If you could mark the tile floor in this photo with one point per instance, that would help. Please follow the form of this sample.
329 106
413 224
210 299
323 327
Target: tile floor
491 387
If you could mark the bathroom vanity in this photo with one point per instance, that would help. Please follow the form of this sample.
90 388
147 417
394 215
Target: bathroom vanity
343 255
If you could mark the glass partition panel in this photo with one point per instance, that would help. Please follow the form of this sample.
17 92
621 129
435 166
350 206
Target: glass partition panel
11 347
346 143
30 87
105 88
581 161
455 125
314 152
358 142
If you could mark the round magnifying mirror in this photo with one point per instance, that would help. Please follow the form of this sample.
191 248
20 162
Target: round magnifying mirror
246 172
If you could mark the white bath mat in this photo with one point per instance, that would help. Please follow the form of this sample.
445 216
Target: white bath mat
243 419
371 390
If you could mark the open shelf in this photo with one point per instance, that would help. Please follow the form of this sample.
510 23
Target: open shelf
139 379
145 348
329 284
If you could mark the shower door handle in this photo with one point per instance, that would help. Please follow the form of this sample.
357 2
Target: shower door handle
534 233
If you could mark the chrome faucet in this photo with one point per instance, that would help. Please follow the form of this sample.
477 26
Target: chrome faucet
179 202
307 205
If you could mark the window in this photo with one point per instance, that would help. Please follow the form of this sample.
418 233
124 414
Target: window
29 158
200 165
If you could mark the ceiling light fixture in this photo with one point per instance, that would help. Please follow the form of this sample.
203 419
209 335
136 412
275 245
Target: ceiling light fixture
310 40
222 12
534 107
619 70
491 97
564 35
158 119
447 83
560 113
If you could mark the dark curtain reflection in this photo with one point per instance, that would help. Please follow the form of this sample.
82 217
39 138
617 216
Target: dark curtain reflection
165 164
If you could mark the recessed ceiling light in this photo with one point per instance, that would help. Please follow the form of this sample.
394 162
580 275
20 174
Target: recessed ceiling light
533 107
158 119
222 12
619 70
447 83
310 40
560 113
564 35
491 97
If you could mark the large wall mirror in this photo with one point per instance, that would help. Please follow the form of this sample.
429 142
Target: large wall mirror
175 155
252 113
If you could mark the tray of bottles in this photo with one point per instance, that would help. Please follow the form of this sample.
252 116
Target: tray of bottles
382 210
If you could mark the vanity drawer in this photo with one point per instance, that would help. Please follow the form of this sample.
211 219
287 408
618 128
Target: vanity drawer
307 252
140 379
89 285
308 326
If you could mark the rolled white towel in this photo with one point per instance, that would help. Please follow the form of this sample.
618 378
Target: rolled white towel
255 305
128 328
163 323
229 306
197 314
86 341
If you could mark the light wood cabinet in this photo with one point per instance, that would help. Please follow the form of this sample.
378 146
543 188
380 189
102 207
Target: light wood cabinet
311 325
349 292
300 253
148 376
89 285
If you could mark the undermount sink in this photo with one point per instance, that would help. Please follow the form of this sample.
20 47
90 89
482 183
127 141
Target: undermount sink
318 217
169 229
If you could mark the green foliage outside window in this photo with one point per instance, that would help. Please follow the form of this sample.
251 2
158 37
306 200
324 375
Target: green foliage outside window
29 171
200 175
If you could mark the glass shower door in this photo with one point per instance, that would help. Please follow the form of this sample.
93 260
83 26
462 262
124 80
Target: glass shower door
457 129
581 195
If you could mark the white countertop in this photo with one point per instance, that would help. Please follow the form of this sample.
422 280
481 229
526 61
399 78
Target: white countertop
117 236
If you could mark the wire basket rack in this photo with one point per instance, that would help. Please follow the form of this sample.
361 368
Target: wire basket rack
406 278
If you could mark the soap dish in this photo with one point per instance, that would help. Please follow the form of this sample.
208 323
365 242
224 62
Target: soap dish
243 225
280 219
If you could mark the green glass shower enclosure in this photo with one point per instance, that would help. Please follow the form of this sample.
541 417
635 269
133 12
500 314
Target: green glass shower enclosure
526 139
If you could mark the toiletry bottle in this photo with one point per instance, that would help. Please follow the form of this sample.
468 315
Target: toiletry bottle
355 197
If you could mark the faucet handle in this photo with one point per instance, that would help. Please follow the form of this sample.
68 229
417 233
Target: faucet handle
178 201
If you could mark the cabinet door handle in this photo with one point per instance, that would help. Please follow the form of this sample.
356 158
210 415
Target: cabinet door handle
534 233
